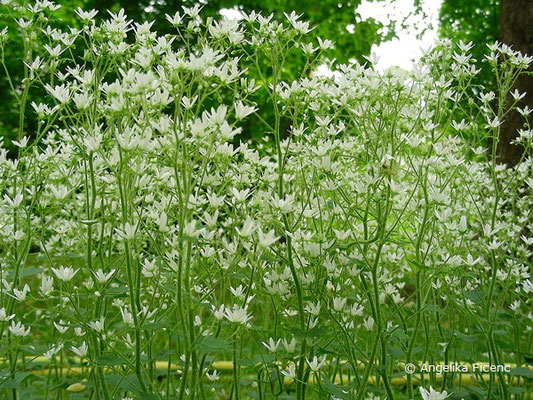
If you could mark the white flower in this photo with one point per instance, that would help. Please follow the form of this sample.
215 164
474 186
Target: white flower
22 143
290 347
80 351
127 317
53 351
272 345
24 23
240 195
213 376
149 268
324 44
188 103
4 317
60 92
339 303
494 123
42 109
217 116
64 273
284 205
300 26
86 15
515 305
313 309
459 126
227 132
128 342
290 372
242 111
266 239
315 364
527 285
97 325
174 20
247 228
237 314
517 95
145 312
238 291
368 323
191 230
432 394
82 101
47 285
128 231
18 329
102 277
15 202
218 313
3 33
62 327
192 12
59 192
20 295
54 51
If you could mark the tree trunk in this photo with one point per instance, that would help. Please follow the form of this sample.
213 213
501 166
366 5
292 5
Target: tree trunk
516 22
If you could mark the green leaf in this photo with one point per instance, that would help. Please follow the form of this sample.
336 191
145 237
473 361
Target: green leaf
209 344
466 338
522 371
332 389
461 393
311 333
516 390
116 292
109 360
27 272
400 334
396 351
147 396
14 382
127 382
154 325
163 355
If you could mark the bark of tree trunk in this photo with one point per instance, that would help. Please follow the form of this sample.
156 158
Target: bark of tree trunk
516 22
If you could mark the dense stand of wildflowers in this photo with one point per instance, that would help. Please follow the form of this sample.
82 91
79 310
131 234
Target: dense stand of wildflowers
142 242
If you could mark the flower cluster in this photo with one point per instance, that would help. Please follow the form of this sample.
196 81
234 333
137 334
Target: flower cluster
363 231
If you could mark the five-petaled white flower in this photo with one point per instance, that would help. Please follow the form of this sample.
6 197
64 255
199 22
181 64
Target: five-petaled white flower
237 314
368 323
53 351
272 345
20 295
315 364
212 376
18 329
127 317
4 317
290 372
64 273
266 239
80 351
432 394
97 325
60 92
47 285
102 277
242 111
